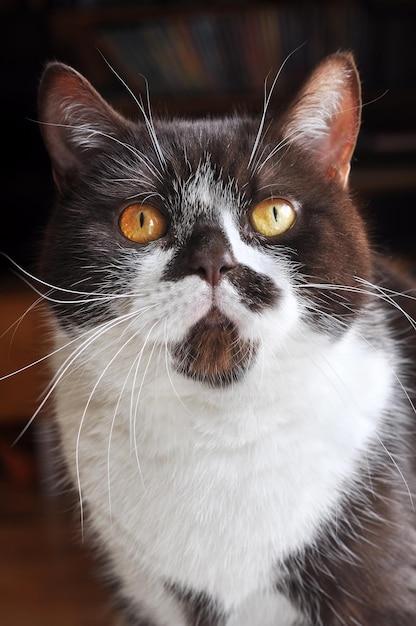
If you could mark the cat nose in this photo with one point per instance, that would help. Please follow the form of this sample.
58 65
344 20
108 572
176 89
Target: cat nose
211 265
209 254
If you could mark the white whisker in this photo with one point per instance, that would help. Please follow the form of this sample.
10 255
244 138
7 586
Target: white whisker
147 116
69 361
93 296
284 143
88 402
138 396
267 98
397 467
168 369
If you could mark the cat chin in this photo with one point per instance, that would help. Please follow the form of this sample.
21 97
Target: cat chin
213 352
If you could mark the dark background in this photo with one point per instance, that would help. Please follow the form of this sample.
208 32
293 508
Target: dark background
385 163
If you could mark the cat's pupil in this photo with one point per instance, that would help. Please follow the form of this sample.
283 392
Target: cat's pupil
141 219
275 213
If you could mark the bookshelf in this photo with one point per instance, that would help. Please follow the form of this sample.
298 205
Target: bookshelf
224 51
205 58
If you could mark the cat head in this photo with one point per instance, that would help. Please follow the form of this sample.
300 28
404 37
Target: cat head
217 238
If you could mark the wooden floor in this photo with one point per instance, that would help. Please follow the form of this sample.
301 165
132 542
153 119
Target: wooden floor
47 578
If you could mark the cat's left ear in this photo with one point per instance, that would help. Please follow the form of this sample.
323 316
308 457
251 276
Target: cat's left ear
74 120
325 117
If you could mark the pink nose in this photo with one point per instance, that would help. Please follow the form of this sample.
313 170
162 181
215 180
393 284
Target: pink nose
211 262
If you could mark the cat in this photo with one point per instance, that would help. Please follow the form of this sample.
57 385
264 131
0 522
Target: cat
233 360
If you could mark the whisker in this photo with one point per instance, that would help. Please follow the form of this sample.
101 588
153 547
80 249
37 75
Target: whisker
69 361
397 467
38 361
369 289
267 98
125 166
116 409
146 116
13 328
83 417
98 296
94 132
168 369
133 416
284 143
146 196
386 295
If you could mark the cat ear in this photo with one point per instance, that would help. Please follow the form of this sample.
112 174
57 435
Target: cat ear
74 120
325 117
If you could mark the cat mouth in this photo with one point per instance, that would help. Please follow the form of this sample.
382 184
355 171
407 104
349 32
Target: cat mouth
213 351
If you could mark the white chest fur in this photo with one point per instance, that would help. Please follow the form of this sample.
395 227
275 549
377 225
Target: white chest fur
212 488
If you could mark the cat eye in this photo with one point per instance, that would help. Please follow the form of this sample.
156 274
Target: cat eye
273 217
143 223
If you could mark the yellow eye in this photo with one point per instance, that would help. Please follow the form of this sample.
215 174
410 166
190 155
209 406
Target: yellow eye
273 217
142 223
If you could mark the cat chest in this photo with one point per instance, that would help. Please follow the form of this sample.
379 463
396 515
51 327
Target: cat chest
218 520
214 497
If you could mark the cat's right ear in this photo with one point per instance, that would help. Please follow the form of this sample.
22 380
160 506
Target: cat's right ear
74 120
325 118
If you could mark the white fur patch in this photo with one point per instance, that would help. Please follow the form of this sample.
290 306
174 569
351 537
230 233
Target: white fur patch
265 609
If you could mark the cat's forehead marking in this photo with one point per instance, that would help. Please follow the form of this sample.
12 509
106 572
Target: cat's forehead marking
201 187
206 195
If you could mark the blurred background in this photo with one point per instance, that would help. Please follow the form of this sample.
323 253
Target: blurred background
198 58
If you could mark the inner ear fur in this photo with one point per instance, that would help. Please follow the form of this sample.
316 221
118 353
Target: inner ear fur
325 117
74 119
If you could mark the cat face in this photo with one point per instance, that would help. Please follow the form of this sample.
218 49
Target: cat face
214 238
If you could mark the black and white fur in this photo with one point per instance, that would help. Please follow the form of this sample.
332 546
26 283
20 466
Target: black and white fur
235 411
